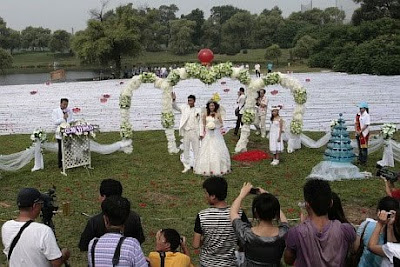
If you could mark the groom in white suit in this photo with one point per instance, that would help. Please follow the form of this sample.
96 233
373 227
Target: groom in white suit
189 128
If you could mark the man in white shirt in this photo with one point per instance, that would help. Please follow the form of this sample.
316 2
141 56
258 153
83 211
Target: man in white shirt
239 109
60 115
362 123
189 128
37 245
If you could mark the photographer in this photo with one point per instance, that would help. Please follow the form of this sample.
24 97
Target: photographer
263 243
390 251
27 243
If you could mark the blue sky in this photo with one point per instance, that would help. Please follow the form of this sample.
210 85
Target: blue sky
56 14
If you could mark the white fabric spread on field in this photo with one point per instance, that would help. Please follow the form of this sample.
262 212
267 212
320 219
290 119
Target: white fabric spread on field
335 171
328 95
18 160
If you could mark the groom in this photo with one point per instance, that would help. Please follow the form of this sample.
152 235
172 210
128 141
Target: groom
189 128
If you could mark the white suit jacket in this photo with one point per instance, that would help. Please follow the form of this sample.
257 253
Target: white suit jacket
58 118
185 111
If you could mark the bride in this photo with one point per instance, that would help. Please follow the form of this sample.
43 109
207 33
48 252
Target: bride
213 158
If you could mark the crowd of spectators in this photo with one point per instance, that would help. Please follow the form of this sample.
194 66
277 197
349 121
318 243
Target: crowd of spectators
223 233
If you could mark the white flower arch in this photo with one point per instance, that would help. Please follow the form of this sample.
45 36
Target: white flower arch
209 75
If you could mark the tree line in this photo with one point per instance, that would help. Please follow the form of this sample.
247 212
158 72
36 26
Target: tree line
369 44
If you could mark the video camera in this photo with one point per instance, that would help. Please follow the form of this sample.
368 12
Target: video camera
49 207
389 175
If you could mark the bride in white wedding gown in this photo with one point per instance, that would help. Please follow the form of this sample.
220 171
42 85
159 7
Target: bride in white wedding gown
213 158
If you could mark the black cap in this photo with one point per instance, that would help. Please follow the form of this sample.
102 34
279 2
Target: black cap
29 196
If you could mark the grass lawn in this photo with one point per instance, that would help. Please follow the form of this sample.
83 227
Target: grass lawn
161 194
30 62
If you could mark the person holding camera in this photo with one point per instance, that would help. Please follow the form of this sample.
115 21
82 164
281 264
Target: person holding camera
365 232
167 243
390 251
28 243
263 243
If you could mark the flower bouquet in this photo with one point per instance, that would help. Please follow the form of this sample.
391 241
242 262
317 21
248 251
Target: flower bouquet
296 127
167 120
300 96
210 125
271 79
388 130
147 77
38 135
223 70
248 116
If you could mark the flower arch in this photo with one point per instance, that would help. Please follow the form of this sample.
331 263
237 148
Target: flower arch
210 75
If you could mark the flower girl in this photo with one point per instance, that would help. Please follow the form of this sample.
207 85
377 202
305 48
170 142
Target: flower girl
275 134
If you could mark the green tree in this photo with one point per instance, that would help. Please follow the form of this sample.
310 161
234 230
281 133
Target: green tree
212 32
222 13
197 16
236 33
35 38
376 9
305 46
6 59
334 15
108 40
285 34
9 38
60 41
265 26
273 52
181 36
167 13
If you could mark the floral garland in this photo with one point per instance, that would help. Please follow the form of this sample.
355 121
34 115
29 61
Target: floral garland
388 130
77 128
39 135
296 127
147 77
300 96
167 120
248 116
209 75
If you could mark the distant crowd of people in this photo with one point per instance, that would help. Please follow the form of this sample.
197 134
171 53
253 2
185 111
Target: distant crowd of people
223 233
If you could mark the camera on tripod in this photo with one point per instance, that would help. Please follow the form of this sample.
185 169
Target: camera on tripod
49 207
389 175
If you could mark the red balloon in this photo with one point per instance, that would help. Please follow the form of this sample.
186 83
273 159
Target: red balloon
205 56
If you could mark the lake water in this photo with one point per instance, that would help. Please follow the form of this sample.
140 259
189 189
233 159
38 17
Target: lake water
25 107
38 78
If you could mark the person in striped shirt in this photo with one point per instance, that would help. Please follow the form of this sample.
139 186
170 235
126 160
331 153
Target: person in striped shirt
112 248
213 231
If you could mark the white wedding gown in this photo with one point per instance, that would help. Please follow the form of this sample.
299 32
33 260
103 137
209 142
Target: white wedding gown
213 158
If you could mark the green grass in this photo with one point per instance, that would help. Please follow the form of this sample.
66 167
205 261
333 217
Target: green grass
31 62
160 193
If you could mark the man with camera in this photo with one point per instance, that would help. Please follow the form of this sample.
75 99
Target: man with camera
27 243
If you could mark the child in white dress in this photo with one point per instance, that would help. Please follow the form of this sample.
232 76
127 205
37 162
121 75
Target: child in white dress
275 135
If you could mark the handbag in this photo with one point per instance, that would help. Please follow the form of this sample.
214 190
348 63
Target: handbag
354 258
